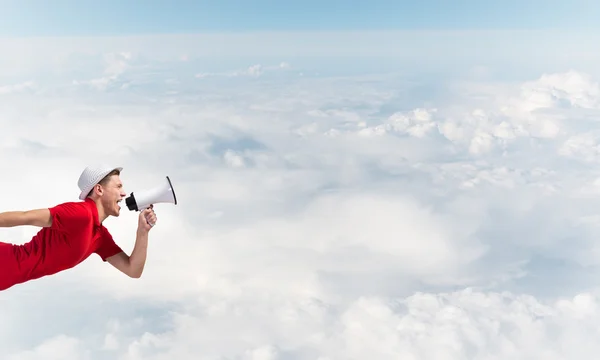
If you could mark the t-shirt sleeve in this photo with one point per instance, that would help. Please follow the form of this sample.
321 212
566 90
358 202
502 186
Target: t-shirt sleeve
69 216
107 246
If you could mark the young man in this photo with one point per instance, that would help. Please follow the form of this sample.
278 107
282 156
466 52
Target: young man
72 231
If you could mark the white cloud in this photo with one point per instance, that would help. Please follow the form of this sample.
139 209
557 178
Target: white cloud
570 88
59 347
116 65
324 216
253 71
15 88
467 324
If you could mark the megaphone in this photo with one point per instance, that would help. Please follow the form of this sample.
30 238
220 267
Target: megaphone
160 194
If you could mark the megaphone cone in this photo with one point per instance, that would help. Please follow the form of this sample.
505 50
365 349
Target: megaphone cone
160 194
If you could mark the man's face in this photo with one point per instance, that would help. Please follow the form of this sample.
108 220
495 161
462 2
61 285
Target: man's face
112 195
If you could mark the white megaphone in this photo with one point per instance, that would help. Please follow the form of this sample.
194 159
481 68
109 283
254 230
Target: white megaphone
160 194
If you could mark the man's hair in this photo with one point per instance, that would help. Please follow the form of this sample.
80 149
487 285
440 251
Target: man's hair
105 180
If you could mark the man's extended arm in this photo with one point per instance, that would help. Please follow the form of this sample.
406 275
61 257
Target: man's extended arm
37 217
133 265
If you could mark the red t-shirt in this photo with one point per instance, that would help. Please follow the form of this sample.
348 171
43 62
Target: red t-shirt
75 234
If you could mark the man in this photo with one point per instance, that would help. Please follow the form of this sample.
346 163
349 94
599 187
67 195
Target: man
72 231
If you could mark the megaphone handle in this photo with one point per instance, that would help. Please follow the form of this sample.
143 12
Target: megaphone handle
149 207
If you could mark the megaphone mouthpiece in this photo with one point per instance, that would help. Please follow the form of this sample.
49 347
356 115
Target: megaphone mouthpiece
160 194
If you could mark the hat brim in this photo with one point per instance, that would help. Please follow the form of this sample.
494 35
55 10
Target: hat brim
83 194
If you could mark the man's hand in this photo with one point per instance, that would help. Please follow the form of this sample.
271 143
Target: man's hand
147 219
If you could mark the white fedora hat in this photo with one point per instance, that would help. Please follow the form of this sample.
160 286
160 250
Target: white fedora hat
91 176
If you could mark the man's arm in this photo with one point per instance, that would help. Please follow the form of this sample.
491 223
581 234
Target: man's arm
133 265
37 217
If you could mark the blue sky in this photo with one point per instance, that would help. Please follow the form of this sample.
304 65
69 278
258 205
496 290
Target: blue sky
113 17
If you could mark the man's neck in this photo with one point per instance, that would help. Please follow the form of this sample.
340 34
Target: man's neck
101 213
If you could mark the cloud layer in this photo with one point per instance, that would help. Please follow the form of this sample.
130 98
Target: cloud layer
320 216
